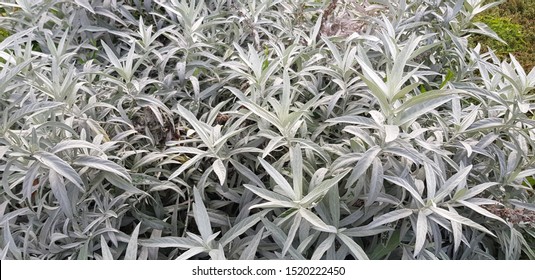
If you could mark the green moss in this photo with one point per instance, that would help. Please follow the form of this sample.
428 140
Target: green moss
3 34
514 22
510 32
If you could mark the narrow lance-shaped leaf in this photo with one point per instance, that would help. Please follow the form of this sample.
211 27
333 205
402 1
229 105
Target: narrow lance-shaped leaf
61 167
201 128
404 184
457 231
267 194
286 95
376 181
73 144
250 175
102 164
29 179
451 183
122 184
422 103
362 165
131 249
321 190
279 237
241 227
201 216
357 251
250 252
60 192
218 254
278 178
106 253
323 247
333 202
315 220
111 55
360 232
191 252
373 79
291 233
86 5
396 79
169 242
275 204
460 219
421 232
297 170
481 211
388 218
187 165
274 143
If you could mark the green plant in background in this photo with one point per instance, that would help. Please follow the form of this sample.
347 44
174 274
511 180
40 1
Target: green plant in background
514 22
511 33
262 129
3 34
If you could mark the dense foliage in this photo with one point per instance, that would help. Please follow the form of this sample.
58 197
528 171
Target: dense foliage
267 129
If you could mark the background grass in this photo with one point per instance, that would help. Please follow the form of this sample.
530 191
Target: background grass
514 22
